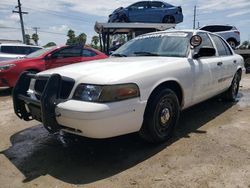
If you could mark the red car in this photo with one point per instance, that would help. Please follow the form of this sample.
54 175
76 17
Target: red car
44 59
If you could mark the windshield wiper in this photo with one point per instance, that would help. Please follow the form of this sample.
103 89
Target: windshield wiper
146 54
119 55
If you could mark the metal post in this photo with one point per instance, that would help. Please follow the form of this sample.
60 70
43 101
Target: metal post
194 17
21 18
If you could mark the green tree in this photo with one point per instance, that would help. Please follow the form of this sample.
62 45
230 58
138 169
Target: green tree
49 44
35 38
81 39
95 41
73 40
27 39
71 37
245 45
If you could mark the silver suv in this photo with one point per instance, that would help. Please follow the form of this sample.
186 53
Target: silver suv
14 51
230 33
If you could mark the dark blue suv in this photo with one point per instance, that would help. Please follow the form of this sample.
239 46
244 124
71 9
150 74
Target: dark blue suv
148 12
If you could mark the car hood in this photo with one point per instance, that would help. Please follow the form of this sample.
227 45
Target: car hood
113 70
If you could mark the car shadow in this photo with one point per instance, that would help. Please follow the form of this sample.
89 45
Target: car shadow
80 161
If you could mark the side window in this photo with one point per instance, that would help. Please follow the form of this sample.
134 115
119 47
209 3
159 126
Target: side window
68 52
9 49
219 45
23 50
88 53
156 5
33 49
206 42
228 50
139 6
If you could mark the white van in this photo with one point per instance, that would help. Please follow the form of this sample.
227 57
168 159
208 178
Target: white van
14 51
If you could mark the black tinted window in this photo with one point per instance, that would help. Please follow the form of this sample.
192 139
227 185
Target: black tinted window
216 28
68 52
23 50
219 45
33 49
88 53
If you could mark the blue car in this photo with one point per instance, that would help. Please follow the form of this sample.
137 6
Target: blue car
148 12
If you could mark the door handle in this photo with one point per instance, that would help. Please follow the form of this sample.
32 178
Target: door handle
219 63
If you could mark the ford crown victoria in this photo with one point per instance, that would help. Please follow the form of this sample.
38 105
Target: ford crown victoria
141 88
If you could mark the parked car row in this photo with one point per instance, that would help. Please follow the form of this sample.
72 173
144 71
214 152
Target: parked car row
141 88
44 59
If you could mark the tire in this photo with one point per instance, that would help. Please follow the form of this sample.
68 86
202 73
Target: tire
247 65
160 117
124 19
232 92
168 19
232 43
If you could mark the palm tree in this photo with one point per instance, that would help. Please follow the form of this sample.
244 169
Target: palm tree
35 38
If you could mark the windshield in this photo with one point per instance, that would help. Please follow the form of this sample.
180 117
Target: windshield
39 52
169 44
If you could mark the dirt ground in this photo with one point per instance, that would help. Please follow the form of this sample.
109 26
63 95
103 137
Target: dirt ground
211 148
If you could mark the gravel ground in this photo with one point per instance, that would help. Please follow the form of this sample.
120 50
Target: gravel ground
211 148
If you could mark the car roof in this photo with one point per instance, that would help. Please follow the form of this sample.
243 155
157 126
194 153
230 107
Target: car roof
18 44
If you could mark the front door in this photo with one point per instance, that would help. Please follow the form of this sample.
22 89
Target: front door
64 56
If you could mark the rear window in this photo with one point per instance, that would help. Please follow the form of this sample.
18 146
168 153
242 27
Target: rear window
216 28
23 50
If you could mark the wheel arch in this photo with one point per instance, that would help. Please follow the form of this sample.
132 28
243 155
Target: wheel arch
170 84
232 39
32 69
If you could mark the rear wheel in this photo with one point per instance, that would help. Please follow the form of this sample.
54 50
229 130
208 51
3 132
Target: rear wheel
168 19
161 116
232 43
232 92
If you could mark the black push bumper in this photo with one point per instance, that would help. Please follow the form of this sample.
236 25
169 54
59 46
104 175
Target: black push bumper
42 110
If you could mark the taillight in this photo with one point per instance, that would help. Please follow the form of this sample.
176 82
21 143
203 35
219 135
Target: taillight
179 10
237 32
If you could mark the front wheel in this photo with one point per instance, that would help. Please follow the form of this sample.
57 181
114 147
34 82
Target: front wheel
160 117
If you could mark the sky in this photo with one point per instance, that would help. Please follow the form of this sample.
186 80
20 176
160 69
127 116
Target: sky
56 17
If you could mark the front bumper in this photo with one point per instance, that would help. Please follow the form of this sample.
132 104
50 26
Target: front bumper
94 120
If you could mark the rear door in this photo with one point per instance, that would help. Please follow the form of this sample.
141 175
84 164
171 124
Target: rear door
228 61
89 55
64 56
156 11
138 12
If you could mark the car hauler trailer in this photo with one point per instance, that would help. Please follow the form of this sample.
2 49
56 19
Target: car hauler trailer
105 30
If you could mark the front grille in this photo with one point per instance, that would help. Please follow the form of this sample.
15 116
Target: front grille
66 87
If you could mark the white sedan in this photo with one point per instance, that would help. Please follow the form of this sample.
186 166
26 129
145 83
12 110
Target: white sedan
141 88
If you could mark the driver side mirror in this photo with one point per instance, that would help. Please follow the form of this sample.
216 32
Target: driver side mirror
205 52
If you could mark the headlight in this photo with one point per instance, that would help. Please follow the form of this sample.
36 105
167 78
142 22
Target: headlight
106 93
6 67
